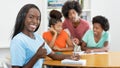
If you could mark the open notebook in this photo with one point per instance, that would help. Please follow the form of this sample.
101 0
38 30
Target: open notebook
69 61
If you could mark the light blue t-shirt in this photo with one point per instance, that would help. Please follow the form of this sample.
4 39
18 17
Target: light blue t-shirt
23 48
88 38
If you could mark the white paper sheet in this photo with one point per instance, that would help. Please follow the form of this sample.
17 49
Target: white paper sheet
68 61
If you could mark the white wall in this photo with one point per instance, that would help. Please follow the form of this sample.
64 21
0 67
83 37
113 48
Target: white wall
111 10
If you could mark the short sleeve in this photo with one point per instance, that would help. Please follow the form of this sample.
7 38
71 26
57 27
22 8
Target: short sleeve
17 53
85 37
65 35
44 35
48 49
47 36
67 31
107 36
46 46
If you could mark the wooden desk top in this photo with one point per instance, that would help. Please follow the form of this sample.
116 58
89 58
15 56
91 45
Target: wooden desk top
112 60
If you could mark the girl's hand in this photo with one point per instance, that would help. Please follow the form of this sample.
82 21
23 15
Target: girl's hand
76 40
53 30
88 51
41 52
75 57
56 48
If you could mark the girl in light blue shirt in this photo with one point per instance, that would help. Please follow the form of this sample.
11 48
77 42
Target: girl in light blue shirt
27 48
96 40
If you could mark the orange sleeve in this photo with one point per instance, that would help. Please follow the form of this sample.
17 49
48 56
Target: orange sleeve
47 36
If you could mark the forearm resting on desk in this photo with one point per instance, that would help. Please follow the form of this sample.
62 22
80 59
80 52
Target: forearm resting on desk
104 49
59 56
63 49
87 49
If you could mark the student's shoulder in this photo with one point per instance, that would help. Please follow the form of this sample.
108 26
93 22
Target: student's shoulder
64 32
66 21
38 36
47 33
84 21
19 36
89 31
106 33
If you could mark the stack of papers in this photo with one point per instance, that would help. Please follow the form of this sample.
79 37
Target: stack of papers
83 53
69 61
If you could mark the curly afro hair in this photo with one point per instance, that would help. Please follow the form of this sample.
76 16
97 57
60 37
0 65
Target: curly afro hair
102 21
71 5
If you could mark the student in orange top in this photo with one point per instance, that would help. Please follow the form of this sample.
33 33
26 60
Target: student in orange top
56 37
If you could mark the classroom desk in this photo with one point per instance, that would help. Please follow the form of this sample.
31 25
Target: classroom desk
110 60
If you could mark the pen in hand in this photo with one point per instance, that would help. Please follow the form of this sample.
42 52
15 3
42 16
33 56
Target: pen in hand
75 49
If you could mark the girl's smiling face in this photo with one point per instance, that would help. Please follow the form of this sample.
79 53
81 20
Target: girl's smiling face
32 20
97 29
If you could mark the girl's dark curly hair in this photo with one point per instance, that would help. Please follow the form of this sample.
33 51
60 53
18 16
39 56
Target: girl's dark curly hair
55 16
102 21
71 5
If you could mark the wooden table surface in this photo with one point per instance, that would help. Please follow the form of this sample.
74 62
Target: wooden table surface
111 59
